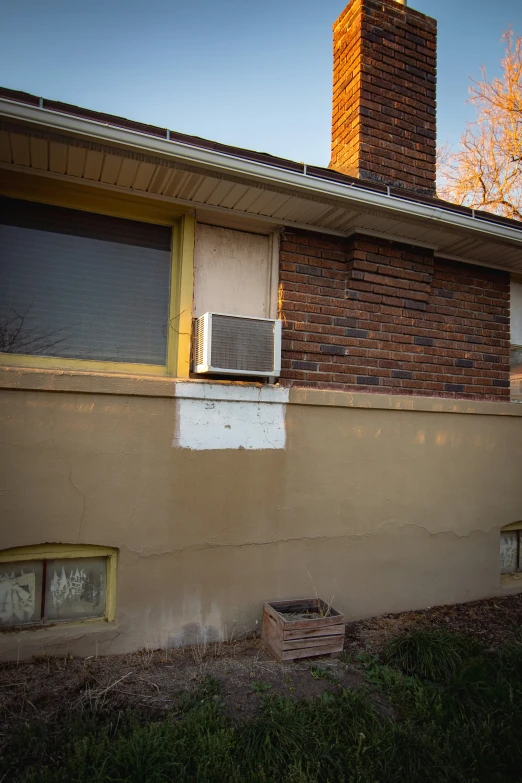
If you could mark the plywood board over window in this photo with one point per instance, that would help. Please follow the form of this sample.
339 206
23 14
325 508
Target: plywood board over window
234 272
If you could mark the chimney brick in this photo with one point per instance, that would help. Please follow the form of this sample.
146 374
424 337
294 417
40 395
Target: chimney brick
384 108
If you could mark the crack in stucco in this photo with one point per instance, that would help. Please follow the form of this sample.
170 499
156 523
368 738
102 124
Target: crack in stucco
70 479
209 545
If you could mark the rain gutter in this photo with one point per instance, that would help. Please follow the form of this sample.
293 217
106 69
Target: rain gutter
265 173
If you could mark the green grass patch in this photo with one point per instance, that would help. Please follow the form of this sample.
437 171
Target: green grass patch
432 655
435 707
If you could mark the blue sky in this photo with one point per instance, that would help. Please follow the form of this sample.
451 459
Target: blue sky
254 74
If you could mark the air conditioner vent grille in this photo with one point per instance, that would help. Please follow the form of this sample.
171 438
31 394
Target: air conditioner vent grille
199 347
242 344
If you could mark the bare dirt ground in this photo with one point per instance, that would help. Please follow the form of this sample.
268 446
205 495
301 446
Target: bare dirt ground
494 621
154 681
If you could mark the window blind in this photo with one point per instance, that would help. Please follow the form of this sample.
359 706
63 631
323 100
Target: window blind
75 284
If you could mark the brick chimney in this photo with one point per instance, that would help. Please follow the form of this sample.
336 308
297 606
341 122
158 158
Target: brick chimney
384 109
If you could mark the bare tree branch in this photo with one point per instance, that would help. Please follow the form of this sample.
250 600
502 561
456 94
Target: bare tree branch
18 336
486 171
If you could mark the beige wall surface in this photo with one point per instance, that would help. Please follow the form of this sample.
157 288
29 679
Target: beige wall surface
381 509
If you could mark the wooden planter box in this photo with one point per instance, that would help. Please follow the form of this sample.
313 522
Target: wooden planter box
289 639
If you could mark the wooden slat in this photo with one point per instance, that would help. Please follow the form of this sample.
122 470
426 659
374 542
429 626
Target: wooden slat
271 635
320 622
306 633
323 641
295 605
301 605
293 639
20 149
274 618
274 652
93 165
291 655
57 157
272 614
39 153
5 147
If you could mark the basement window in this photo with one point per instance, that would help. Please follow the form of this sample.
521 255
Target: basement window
55 584
82 286
510 549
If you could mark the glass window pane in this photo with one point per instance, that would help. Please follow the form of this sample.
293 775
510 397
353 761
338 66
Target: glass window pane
508 551
75 588
516 372
80 285
20 592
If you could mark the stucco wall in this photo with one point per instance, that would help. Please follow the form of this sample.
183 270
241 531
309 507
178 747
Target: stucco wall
383 508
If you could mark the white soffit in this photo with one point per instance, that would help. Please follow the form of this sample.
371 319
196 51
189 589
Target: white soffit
238 192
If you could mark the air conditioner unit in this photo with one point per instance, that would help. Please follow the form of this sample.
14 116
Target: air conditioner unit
237 345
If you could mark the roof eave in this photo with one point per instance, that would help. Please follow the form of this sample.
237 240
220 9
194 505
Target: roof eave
301 183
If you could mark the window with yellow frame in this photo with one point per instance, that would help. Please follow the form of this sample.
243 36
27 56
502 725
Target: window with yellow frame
94 288
56 583
510 549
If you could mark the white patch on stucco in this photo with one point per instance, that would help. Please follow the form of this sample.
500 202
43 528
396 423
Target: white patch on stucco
220 416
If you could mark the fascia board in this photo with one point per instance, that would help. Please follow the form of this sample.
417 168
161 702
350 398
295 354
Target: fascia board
260 172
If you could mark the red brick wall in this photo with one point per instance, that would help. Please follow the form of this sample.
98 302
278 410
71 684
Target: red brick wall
371 315
383 115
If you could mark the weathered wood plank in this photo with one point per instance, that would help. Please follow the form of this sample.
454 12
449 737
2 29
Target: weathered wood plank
320 622
272 634
268 609
304 633
304 604
309 652
323 641
271 627
292 639
295 605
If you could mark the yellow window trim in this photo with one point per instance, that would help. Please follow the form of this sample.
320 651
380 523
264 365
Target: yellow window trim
131 207
54 363
181 298
512 526
67 551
